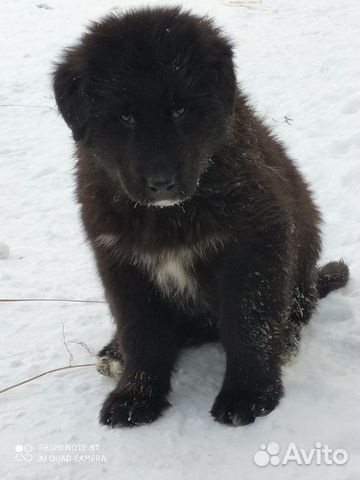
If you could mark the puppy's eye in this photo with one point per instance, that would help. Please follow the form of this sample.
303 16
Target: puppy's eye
127 118
178 112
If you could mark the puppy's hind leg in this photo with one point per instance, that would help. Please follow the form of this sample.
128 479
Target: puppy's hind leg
110 360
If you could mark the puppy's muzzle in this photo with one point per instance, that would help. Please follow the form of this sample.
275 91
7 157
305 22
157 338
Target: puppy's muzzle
161 187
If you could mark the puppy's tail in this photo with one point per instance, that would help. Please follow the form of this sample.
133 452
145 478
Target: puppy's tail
332 276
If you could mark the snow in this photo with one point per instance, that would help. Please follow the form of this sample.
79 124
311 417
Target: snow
4 251
297 61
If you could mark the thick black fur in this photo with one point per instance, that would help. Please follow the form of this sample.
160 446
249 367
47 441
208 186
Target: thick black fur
152 101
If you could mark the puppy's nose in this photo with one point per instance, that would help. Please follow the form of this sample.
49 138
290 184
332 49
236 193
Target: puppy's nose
160 184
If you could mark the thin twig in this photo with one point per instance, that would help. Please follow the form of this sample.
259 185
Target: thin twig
46 373
71 356
70 300
85 347
29 106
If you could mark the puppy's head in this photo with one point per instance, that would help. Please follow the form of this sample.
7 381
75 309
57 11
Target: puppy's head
149 95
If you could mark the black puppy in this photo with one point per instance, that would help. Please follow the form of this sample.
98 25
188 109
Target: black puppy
158 121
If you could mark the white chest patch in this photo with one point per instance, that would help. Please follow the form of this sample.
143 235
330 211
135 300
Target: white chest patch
173 271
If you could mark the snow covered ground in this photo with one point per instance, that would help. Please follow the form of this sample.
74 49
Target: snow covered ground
299 63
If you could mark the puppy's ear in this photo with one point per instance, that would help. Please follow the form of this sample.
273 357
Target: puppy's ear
69 84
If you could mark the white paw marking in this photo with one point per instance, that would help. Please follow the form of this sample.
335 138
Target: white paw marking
109 367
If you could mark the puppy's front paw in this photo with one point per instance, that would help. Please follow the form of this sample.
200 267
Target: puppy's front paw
125 409
237 407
